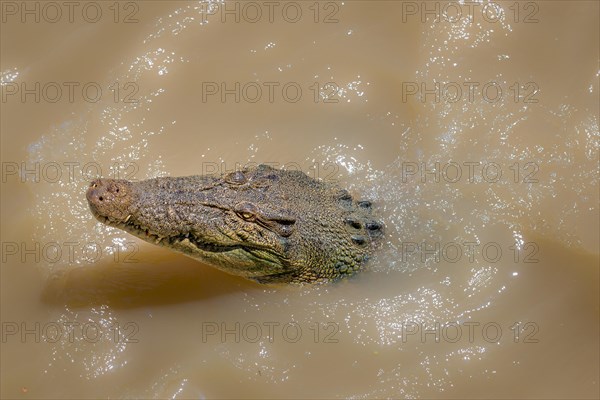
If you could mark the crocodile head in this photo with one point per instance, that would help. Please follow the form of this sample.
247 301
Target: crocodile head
265 224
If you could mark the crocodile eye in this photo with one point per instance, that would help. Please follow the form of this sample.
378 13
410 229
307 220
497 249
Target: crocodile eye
246 215
246 211
236 177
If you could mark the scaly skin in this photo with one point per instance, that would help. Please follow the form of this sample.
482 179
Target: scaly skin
265 224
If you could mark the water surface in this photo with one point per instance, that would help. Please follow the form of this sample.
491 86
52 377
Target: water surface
486 284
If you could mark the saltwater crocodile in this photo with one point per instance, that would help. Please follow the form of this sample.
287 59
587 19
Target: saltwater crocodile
265 224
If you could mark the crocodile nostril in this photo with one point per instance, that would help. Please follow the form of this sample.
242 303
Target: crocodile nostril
364 204
373 226
353 223
360 240
344 195
100 198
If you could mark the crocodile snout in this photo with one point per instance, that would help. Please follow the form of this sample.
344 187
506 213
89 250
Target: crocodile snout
110 198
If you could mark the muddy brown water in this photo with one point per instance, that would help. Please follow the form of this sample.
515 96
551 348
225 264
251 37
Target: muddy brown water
475 136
